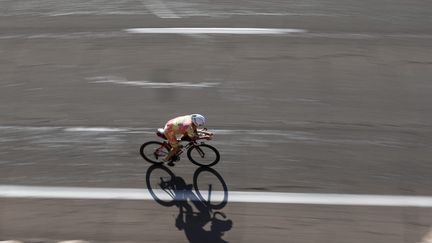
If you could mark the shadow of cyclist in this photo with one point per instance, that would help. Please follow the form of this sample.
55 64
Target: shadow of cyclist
194 223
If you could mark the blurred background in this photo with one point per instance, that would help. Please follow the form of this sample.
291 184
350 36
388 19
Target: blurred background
325 96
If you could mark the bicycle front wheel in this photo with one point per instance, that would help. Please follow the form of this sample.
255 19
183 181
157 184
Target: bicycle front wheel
154 152
203 155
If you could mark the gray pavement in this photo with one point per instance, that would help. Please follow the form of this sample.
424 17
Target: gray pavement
341 108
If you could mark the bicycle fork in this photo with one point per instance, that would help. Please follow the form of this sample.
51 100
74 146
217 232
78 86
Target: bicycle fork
200 152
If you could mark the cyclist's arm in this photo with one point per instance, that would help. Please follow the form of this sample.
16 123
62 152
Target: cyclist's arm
192 133
207 135
205 132
195 134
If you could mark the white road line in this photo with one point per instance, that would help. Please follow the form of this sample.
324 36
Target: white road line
94 129
305 137
74 241
156 85
229 31
288 33
14 191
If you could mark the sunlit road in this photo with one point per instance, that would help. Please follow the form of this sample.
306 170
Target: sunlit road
314 97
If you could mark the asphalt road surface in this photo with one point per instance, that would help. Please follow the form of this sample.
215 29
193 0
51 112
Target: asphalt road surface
337 100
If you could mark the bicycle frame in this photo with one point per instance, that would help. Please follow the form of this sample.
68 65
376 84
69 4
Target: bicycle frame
183 148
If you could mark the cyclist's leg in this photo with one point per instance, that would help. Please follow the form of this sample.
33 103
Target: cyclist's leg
172 139
172 152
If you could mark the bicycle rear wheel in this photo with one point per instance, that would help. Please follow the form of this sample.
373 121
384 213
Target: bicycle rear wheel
154 152
203 155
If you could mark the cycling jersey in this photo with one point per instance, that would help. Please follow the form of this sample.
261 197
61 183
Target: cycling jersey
177 127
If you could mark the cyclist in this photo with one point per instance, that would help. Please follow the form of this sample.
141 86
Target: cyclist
184 127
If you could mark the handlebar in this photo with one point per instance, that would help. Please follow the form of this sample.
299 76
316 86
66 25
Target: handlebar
202 134
206 136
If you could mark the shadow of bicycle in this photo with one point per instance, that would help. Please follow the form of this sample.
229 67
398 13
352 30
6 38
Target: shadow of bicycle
207 193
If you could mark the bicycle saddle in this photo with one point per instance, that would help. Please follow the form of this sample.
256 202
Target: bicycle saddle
161 133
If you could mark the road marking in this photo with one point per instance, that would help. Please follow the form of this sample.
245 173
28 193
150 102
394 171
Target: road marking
94 129
288 33
15 191
74 241
297 136
229 31
155 85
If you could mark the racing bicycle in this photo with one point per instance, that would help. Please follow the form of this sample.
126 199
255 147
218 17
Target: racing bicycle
198 152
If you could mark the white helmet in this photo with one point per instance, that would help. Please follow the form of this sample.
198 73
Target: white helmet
198 119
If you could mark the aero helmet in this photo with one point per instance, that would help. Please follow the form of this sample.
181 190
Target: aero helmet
198 119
